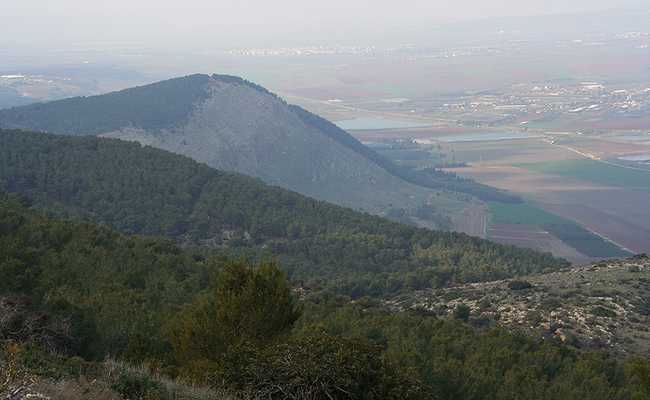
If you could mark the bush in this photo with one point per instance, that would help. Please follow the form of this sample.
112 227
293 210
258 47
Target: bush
319 366
601 311
519 285
132 386
462 312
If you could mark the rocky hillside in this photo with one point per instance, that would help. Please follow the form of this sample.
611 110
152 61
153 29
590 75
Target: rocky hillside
234 125
605 305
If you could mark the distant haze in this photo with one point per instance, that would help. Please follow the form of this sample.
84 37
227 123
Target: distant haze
223 23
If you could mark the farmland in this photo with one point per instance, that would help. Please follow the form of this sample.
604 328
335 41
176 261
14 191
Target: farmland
540 121
550 225
595 171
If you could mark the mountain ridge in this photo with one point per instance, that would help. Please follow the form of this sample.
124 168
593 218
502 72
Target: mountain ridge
236 125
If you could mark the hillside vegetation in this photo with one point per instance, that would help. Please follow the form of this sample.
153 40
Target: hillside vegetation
606 305
75 293
235 125
325 246
165 105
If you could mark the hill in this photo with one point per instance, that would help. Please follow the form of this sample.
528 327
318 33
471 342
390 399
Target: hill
234 125
606 305
73 294
142 190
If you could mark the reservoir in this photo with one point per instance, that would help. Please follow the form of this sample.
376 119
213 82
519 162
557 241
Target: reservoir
374 123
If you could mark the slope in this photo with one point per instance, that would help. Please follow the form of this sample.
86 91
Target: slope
72 293
143 190
605 305
234 125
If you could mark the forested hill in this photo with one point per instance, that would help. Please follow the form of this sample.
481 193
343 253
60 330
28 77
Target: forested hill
147 191
235 125
164 105
73 294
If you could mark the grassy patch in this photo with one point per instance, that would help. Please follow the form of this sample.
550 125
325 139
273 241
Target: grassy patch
596 172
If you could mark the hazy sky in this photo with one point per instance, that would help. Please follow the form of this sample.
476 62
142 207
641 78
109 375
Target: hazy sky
223 21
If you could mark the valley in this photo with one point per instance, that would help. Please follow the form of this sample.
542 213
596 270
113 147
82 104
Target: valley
340 200
534 141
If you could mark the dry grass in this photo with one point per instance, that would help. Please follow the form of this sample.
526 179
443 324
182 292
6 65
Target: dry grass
172 389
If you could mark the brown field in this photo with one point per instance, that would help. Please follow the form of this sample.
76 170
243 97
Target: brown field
609 147
609 123
535 238
509 152
620 215
522 181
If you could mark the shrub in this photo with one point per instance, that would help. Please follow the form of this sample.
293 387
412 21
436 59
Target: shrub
133 386
519 285
601 311
319 366
462 312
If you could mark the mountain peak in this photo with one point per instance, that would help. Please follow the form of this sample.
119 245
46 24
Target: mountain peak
233 124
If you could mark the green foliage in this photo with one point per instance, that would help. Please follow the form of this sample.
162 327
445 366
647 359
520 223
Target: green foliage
129 288
320 366
138 387
601 311
111 289
165 194
462 363
246 306
462 312
519 285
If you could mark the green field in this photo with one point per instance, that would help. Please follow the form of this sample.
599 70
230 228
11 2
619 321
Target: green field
567 231
596 172
521 214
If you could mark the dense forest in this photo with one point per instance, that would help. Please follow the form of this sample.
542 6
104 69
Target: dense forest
74 293
141 190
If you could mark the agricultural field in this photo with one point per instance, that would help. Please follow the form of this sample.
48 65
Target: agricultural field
543 227
608 200
534 237
599 172
567 137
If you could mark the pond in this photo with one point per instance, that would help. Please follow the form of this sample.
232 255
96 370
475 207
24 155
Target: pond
483 137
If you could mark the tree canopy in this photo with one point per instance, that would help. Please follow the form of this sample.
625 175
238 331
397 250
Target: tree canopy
141 190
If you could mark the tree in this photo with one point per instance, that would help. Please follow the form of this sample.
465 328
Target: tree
462 312
246 306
